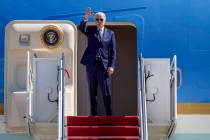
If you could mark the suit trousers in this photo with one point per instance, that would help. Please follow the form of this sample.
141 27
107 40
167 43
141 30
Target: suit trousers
97 74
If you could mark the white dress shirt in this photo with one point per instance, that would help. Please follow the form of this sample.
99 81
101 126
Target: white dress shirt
101 31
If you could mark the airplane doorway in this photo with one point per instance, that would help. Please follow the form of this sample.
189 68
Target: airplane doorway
124 80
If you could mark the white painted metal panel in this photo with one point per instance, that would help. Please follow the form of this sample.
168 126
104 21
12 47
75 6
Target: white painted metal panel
159 86
45 82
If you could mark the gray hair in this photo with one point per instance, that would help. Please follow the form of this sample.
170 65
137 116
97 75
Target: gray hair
102 14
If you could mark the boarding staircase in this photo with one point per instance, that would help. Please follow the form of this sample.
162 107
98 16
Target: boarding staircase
102 128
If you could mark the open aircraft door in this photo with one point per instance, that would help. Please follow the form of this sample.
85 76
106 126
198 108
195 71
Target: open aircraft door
33 51
159 80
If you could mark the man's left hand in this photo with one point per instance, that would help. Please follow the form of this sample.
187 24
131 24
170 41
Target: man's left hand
110 71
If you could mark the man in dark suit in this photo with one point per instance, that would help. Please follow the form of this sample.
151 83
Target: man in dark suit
99 59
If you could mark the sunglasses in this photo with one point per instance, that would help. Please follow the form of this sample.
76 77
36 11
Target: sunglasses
99 19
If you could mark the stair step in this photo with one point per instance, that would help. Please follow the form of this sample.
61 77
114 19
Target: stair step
104 138
101 120
102 130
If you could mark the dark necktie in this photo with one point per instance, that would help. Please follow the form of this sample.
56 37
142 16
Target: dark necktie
100 34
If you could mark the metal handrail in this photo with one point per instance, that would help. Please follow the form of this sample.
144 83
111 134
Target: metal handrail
61 102
173 91
174 101
142 100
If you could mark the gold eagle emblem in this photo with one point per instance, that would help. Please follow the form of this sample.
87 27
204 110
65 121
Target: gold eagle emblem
51 36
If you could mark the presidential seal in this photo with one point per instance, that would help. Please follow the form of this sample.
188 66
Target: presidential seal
51 37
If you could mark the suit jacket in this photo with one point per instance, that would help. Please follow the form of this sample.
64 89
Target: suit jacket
106 46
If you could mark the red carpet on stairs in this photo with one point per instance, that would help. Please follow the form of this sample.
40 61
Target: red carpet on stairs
102 128
103 138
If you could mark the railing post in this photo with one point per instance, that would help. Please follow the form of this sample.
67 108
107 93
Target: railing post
174 88
61 101
142 100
